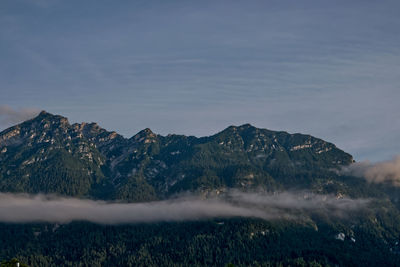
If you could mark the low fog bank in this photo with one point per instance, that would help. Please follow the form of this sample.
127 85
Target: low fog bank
288 205
381 172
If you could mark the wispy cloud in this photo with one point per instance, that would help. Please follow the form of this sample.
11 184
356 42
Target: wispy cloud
288 205
381 172
8 115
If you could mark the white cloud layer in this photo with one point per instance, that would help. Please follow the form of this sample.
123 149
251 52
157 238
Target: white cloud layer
287 205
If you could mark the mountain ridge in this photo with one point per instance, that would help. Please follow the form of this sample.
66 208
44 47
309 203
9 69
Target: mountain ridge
50 155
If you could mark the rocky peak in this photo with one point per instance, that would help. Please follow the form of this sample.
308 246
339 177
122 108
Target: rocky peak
99 136
245 126
46 120
146 136
88 128
239 129
237 132
43 113
35 130
145 133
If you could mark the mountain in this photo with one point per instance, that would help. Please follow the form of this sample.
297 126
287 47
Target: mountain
48 154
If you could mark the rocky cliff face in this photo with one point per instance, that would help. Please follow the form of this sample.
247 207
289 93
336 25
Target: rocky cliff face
47 154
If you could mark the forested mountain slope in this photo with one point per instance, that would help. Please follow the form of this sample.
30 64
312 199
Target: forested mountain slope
49 155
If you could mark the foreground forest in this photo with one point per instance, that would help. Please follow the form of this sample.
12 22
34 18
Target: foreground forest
242 242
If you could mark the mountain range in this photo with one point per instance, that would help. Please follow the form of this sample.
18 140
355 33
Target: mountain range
48 155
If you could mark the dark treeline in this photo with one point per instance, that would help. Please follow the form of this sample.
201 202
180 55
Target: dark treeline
241 242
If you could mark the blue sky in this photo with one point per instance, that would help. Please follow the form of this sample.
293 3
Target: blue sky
326 68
